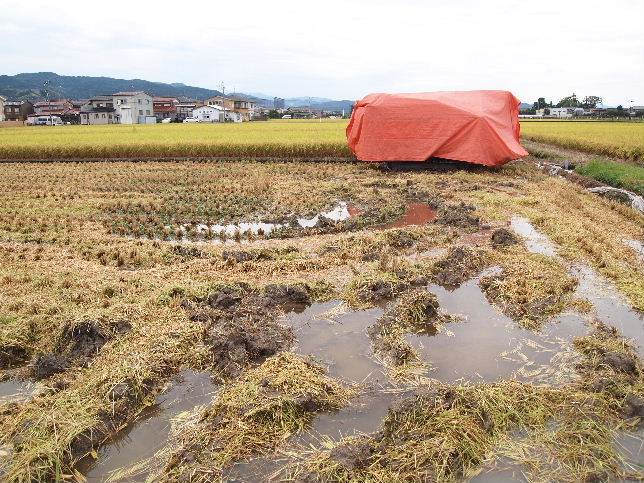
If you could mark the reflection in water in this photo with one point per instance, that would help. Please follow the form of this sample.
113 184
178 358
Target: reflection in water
535 242
415 214
18 390
342 211
150 433
610 306
487 346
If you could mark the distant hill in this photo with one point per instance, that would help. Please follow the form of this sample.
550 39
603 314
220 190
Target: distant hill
31 87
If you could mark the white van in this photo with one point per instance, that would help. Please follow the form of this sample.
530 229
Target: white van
44 121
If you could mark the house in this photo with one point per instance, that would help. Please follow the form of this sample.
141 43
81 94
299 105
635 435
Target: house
245 107
558 112
17 110
165 108
2 101
185 108
134 107
99 110
53 107
216 114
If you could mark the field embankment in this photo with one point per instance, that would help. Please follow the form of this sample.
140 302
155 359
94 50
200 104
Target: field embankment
614 174
617 139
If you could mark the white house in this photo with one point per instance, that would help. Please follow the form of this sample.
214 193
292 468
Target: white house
215 113
134 107
560 112
2 101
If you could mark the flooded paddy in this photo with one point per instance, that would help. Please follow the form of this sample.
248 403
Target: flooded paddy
149 433
424 319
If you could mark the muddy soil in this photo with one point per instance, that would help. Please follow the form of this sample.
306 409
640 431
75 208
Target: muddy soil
459 216
13 355
78 343
460 264
241 327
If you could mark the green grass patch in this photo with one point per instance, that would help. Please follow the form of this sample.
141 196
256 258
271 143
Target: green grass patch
615 174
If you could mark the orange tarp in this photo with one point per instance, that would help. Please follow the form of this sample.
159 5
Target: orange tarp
479 127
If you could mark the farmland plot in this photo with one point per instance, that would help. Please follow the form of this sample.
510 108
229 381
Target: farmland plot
390 326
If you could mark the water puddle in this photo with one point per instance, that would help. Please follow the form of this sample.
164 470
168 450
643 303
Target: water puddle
337 337
535 242
487 346
610 306
146 436
18 391
630 446
415 214
343 211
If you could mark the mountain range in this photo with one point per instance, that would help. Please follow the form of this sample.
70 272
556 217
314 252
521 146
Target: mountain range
42 85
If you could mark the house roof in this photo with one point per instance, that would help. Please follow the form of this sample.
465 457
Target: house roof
129 93
165 99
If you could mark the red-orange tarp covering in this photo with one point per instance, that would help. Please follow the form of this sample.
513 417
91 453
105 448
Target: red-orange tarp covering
479 127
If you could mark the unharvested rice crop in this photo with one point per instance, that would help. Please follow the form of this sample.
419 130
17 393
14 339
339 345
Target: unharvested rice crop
619 139
283 139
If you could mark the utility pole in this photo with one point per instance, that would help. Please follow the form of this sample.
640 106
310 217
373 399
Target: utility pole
48 100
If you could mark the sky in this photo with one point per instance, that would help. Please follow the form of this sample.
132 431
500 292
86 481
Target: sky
341 49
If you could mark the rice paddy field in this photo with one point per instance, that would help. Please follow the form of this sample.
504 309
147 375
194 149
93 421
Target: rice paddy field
243 321
304 139
617 139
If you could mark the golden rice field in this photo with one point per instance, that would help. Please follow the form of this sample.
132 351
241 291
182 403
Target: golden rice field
277 138
286 139
620 139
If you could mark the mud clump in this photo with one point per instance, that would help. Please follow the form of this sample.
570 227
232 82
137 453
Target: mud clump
502 237
244 339
417 312
287 296
187 252
78 343
47 365
620 362
459 216
12 355
460 264
225 298
240 327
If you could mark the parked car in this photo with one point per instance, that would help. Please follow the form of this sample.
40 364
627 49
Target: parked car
167 120
287 116
44 121
191 119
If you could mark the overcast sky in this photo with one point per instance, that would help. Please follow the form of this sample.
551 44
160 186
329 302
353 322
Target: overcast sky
343 49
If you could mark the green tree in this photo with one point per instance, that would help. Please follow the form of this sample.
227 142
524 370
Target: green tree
591 101
570 101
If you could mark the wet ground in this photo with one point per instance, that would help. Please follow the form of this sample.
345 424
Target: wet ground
150 432
17 390
484 345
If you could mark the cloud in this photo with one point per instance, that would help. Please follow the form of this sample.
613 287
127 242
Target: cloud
339 48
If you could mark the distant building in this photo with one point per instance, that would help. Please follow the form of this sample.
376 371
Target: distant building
2 101
134 107
215 113
99 110
17 110
165 108
560 112
53 107
278 103
245 107
185 108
